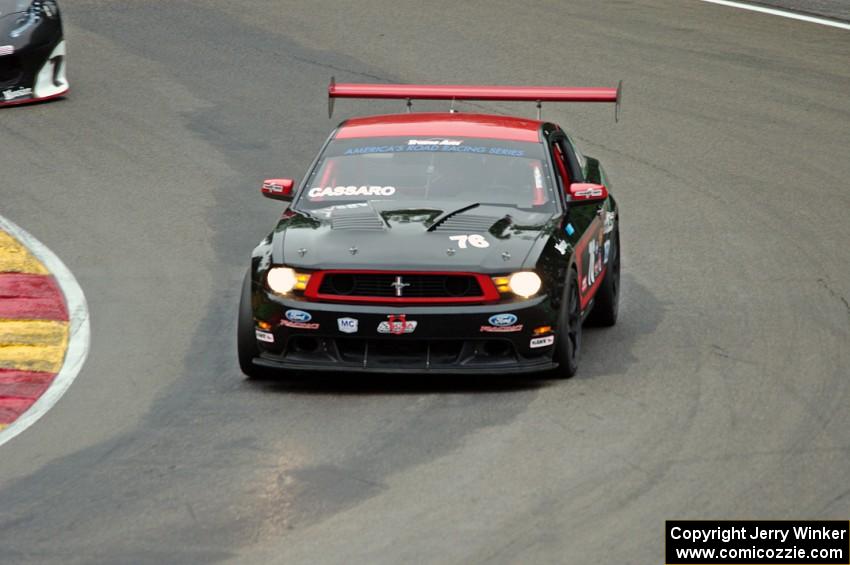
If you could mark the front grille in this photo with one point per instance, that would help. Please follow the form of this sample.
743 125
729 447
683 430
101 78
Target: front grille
410 285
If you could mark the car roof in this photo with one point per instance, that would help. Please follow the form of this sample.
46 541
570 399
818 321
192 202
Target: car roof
442 124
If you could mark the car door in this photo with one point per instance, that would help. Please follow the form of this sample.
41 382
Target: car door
584 222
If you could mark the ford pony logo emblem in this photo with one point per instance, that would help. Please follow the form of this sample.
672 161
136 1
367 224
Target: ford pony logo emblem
399 285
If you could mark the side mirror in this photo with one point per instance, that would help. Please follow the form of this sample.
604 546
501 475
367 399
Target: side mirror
587 192
278 189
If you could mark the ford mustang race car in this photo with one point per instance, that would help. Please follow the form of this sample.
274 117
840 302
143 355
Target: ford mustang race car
32 51
436 243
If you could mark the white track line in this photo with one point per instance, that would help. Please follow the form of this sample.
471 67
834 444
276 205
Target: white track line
782 13
79 335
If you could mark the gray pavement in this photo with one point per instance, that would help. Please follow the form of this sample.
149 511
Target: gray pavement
835 9
722 392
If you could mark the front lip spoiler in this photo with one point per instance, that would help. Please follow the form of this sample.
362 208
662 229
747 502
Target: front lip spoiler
458 370
23 101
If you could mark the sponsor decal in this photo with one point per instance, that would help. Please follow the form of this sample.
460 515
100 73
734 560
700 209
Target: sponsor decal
570 229
503 319
347 325
352 190
501 329
373 149
447 148
434 145
12 94
299 319
264 336
507 152
299 325
397 324
542 341
594 259
475 240
561 246
609 221
434 142
298 316
6 50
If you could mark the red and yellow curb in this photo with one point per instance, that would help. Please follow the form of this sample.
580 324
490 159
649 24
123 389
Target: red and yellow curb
34 329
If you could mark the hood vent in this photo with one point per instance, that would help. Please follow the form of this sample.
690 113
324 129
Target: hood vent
366 220
467 223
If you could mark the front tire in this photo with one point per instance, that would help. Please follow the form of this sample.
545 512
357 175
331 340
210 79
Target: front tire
246 340
568 338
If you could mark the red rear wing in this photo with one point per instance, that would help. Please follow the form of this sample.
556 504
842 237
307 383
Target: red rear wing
536 94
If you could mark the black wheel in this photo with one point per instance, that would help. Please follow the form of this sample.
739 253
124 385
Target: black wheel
568 338
607 299
246 340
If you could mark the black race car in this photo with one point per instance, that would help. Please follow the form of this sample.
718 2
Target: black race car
436 243
32 52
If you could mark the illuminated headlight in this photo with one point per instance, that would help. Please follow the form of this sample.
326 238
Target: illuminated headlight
283 280
524 284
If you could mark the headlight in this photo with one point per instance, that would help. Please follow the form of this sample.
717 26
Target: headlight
51 10
46 7
38 10
283 280
524 284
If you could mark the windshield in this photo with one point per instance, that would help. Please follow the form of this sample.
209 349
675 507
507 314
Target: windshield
420 170
11 6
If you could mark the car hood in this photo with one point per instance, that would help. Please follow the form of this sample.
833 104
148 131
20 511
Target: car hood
384 236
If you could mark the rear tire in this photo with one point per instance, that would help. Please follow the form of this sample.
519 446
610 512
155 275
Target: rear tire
246 340
607 300
568 338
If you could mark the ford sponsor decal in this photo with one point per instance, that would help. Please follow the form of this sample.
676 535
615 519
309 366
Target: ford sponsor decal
298 316
502 320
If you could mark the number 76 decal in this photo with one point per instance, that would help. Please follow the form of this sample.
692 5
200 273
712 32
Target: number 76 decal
474 240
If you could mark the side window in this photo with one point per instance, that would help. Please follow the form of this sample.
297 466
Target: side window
560 166
582 162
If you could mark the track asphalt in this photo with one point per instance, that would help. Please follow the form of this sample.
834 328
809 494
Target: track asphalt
835 9
722 392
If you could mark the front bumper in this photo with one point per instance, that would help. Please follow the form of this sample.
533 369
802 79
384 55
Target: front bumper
446 339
